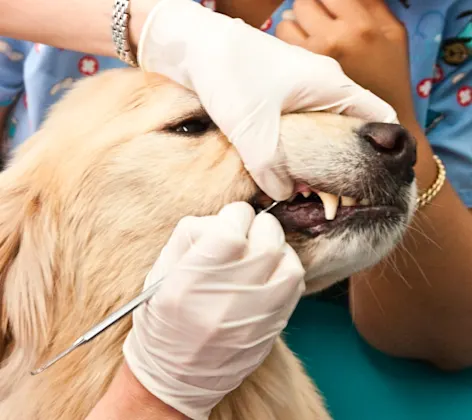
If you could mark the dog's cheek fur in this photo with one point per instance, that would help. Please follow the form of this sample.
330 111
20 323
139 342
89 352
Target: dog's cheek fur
206 174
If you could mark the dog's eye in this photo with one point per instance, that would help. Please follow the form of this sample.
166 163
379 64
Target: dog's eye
193 126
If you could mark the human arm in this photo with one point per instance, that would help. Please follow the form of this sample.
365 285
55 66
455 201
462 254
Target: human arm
78 25
127 399
418 302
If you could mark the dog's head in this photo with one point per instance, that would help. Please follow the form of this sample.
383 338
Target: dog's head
126 155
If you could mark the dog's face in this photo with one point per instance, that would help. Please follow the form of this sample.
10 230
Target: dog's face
142 153
88 202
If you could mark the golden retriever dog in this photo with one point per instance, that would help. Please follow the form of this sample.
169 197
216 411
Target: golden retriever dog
87 203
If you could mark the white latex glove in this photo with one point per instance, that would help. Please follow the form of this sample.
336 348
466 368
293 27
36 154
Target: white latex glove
231 284
245 78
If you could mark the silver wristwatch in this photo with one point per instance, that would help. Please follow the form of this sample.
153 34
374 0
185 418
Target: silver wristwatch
120 32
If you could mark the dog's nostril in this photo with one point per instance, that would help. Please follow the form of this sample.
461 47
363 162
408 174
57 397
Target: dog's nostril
394 146
385 138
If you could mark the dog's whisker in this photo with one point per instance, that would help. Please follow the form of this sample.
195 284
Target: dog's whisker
369 285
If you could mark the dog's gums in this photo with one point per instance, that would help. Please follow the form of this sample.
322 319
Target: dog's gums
309 218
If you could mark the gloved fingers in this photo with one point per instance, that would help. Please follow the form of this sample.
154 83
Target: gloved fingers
235 217
260 125
162 20
225 240
256 139
186 233
348 99
276 300
270 268
276 183
266 234
266 240
332 90
221 273
263 253
365 105
286 283
220 245
238 215
242 277
275 306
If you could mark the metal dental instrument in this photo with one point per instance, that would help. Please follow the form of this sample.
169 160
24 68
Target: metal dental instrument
102 326
114 317
270 207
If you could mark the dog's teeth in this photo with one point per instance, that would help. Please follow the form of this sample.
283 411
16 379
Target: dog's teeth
364 202
348 201
306 194
330 204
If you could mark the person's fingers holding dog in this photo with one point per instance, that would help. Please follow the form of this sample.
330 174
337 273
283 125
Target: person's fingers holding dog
353 32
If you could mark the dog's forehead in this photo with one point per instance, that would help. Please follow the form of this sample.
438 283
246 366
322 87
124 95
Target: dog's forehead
177 100
119 92
128 102
174 98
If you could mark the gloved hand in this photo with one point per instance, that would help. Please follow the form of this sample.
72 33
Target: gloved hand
246 78
231 284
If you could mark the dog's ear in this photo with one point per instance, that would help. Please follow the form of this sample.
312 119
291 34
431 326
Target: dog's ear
27 244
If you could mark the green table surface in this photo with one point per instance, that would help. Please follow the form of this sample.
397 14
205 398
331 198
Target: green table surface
360 383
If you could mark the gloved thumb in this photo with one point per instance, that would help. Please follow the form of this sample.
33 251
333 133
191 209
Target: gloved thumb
186 233
238 216
257 139
266 234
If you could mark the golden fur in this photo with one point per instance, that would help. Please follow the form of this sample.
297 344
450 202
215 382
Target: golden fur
88 202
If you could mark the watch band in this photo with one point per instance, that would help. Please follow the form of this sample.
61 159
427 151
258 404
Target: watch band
120 32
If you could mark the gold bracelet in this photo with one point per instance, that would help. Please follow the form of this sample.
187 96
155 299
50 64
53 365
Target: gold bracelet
433 191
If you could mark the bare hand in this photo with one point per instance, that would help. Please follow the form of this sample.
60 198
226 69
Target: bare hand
364 36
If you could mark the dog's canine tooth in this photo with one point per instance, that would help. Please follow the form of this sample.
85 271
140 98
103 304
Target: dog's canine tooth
364 202
330 204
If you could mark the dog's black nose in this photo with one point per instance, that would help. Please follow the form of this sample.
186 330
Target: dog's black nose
394 145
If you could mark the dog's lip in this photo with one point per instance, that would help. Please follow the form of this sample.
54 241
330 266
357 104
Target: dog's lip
309 218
